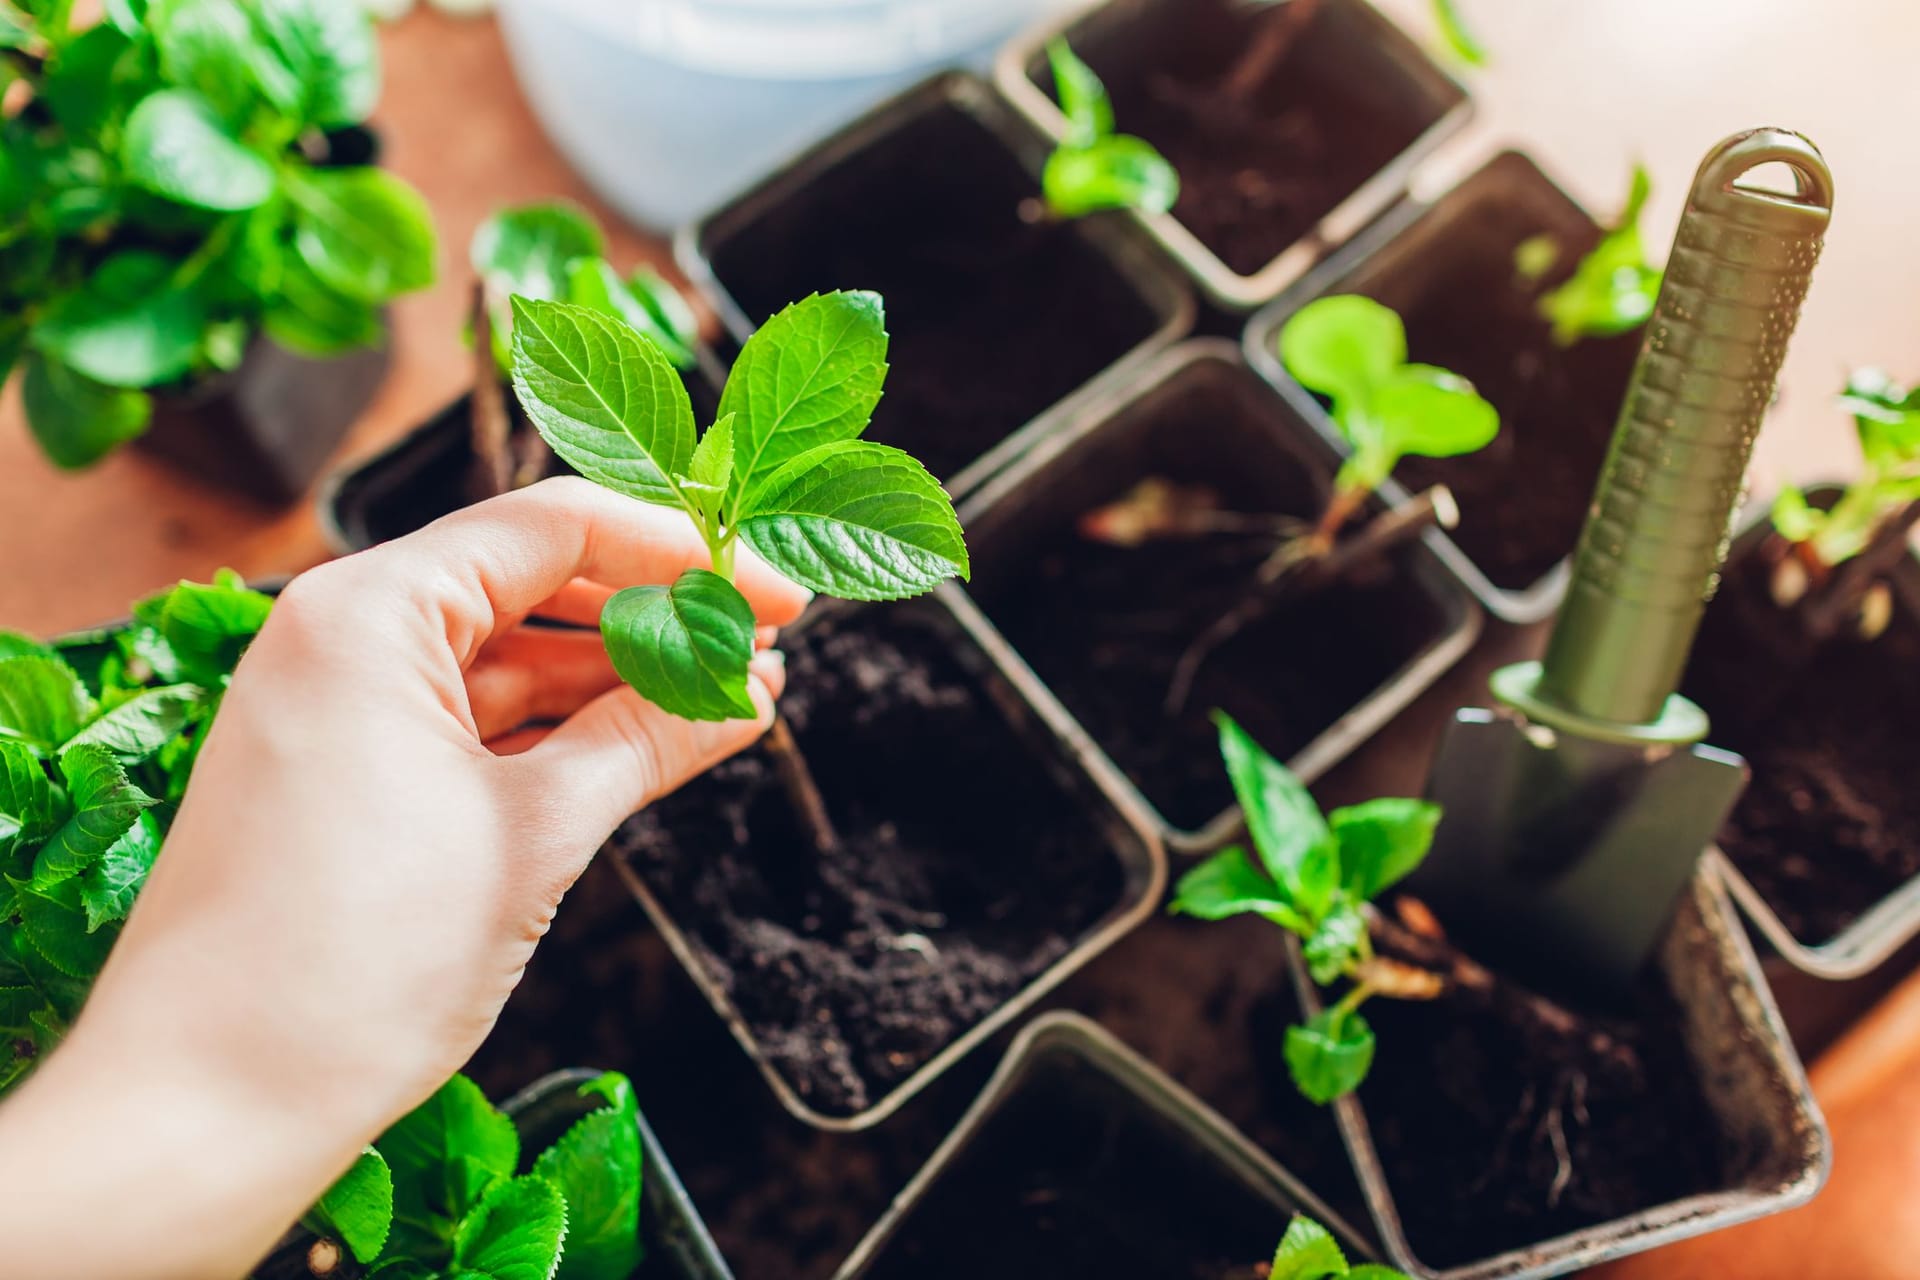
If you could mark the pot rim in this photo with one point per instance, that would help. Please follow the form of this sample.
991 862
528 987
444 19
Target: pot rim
1223 285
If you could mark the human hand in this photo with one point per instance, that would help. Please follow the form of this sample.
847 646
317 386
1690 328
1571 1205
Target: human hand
371 846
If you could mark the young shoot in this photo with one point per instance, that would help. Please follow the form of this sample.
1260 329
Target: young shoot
1094 168
1353 350
1313 875
1867 529
1457 37
1612 290
448 1194
1309 1252
782 469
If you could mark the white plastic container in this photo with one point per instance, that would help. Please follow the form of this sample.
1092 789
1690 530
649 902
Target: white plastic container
667 107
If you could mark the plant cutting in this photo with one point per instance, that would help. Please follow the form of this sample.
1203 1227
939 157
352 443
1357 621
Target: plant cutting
98 735
1309 1252
1612 288
168 193
1094 168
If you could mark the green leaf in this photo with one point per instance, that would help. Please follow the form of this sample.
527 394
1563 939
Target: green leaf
1229 884
1342 347
527 250
42 702
857 520
1613 289
207 626
1308 1252
130 325
1456 35
82 85
109 886
515 1233
311 317
684 648
17 1006
208 46
331 54
1117 172
18 644
1285 825
592 282
54 925
1381 842
364 233
676 327
176 146
1083 99
596 1167
444 1153
1424 410
1796 519
711 468
106 804
810 376
1330 1055
357 1210
136 728
604 398
30 808
76 420
1332 949
129 17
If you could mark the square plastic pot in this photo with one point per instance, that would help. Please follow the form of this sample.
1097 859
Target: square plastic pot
948 151
1245 438
1063 1080
1775 1144
1413 260
1359 63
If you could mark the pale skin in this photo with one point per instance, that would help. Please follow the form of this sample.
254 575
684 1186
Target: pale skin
372 845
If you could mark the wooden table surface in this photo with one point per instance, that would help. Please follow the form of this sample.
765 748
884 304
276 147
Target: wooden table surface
1585 87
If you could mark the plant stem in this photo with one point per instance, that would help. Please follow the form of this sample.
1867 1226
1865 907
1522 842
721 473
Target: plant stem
492 426
1340 509
802 790
1828 610
207 254
1351 1001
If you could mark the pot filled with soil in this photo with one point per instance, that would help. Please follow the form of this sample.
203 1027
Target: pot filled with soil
1292 126
1450 271
996 314
1081 1158
1823 850
1126 632
920 860
1501 1133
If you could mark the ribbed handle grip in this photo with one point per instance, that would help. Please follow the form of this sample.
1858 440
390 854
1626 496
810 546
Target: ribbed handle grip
1650 554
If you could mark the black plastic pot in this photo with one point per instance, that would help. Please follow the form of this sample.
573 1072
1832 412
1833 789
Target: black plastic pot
1317 146
981 861
266 429
1821 849
1080 1159
996 318
676 1243
1103 627
425 473
1448 269
1769 1141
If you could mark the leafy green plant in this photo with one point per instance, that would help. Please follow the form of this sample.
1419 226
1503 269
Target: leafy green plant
1095 169
98 735
1353 350
1309 1252
448 1193
782 469
161 203
1313 875
1886 417
1612 290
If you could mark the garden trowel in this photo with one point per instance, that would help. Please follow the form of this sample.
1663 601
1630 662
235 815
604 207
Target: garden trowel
1577 808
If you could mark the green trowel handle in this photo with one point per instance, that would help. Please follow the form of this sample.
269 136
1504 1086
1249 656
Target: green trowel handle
1649 557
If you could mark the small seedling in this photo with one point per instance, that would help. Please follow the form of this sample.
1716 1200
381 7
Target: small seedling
1095 169
782 469
1456 35
160 203
1835 560
1309 1252
442 1195
1353 350
98 735
1612 290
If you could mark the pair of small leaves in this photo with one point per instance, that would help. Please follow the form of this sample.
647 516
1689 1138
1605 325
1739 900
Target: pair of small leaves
1309 1252
1613 288
1096 169
1886 416
1353 350
782 470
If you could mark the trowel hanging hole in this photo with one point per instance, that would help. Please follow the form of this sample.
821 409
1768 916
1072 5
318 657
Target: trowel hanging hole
1775 178
1777 166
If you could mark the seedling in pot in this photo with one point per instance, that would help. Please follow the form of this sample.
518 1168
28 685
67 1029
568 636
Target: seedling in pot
553 252
1612 289
1831 565
1094 168
160 204
782 469
1317 876
448 1193
1309 1252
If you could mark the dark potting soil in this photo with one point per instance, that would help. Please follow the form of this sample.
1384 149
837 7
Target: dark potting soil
965 868
1830 822
1263 157
1496 1134
1075 1176
1524 497
1106 626
993 319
